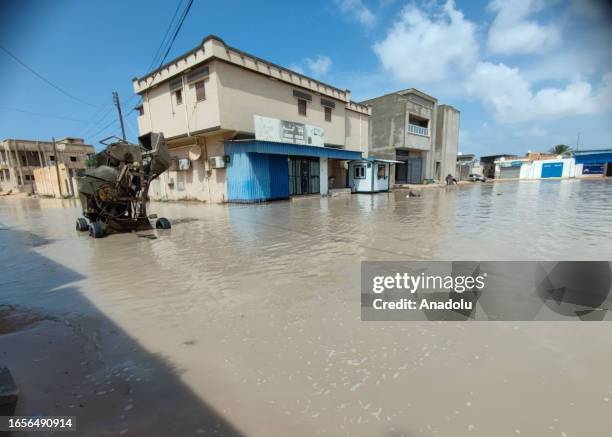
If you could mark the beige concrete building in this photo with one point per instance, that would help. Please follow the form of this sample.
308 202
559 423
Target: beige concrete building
215 98
446 142
409 126
19 159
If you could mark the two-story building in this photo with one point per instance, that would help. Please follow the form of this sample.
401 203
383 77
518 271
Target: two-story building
19 159
409 126
242 129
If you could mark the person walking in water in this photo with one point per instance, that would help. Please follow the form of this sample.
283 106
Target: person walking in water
450 180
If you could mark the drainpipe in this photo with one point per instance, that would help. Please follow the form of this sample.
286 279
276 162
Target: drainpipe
149 111
185 104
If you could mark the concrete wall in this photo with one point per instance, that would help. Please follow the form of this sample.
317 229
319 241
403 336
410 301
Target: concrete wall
569 167
447 140
163 114
533 169
244 94
200 182
47 184
388 127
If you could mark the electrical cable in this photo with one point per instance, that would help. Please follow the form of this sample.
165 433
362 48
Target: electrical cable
44 79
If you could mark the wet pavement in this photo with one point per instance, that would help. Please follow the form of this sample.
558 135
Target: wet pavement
251 313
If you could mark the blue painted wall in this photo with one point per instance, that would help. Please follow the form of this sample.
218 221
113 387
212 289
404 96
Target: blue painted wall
256 177
259 170
552 170
593 158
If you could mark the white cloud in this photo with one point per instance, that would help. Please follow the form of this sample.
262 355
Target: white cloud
297 68
513 33
509 95
319 66
426 46
315 67
358 11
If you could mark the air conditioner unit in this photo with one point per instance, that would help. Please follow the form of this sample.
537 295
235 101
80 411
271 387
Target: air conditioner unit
216 162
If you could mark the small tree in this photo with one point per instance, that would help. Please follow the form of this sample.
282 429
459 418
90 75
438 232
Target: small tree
561 149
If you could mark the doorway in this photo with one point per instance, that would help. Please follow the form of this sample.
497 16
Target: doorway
304 173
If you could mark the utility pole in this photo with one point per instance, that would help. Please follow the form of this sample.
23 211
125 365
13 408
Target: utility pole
57 172
578 141
118 105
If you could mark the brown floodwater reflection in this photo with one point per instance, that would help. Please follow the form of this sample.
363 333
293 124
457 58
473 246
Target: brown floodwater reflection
258 307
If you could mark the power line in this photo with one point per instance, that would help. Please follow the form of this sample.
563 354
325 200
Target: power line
103 129
157 53
97 123
178 29
159 50
44 79
25 111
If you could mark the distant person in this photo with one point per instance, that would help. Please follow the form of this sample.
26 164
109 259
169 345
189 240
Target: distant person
450 180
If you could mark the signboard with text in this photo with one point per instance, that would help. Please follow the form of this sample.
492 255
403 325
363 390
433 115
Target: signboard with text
283 131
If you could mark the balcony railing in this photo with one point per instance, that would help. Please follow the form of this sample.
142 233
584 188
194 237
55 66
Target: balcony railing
418 130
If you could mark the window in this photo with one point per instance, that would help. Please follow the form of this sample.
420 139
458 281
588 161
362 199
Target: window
302 107
178 96
73 158
328 112
200 92
51 157
381 171
359 172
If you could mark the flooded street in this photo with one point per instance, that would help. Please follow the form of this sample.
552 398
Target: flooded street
255 309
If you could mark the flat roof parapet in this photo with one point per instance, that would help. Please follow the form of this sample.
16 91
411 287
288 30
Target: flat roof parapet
213 47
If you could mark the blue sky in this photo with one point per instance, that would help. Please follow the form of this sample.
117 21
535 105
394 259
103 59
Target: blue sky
526 75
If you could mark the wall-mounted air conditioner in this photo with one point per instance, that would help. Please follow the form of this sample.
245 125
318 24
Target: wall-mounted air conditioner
216 162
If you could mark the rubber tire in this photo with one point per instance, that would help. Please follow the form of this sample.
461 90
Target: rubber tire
96 230
81 225
163 223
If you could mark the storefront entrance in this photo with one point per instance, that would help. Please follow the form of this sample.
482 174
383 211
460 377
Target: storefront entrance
410 171
304 175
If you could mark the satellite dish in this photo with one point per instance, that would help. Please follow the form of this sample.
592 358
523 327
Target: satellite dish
60 147
195 152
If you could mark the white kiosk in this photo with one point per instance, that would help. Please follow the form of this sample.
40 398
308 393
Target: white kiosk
370 175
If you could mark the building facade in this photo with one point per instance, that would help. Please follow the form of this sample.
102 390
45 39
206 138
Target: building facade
488 164
240 128
593 163
409 126
19 159
467 164
552 167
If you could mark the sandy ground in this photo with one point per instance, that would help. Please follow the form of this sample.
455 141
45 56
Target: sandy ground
245 319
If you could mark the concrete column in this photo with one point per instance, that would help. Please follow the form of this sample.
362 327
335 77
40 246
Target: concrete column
323 175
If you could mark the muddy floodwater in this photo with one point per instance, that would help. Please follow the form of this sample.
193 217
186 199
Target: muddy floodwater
252 312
